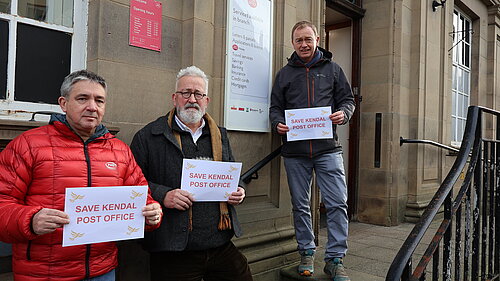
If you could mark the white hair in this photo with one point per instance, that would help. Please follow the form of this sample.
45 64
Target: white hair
192 71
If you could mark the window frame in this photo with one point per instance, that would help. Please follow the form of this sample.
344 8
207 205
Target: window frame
459 66
21 110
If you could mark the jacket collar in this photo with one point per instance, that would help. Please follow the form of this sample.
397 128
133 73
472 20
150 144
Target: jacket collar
57 118
161 127
325 56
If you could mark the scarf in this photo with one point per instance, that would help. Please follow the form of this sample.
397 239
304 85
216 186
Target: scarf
216 140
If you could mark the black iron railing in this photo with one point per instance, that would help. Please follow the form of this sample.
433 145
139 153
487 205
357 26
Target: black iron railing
440 145
253 172
466 245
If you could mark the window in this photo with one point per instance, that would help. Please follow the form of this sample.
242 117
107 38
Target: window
41 41
4 34
462 30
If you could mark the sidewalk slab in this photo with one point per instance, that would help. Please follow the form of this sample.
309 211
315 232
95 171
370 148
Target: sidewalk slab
371 251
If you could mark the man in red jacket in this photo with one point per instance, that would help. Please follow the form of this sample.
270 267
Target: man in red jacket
74 150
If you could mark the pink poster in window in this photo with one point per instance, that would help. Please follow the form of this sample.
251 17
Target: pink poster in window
145 24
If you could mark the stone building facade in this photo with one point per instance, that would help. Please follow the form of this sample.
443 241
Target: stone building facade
420 69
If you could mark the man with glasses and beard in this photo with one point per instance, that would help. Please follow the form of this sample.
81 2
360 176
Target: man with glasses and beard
194 242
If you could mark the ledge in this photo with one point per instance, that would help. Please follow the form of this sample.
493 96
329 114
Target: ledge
9 129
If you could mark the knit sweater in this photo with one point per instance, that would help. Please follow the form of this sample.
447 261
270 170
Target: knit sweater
205 234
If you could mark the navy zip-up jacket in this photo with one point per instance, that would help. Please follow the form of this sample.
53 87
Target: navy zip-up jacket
297 86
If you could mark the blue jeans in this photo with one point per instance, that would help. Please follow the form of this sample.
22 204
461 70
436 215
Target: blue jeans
330 176
110 276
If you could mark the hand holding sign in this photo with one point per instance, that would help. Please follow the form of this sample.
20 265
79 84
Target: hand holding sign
48 220
178 199
236 197
337 117
152 213
282 129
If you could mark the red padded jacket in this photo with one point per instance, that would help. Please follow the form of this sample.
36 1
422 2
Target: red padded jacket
35 169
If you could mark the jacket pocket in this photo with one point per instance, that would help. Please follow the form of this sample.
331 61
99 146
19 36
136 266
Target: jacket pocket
324 84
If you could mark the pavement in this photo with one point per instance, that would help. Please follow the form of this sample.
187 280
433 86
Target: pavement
371 251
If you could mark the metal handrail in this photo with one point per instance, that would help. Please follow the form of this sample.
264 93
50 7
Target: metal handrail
403 257
403 140
252 173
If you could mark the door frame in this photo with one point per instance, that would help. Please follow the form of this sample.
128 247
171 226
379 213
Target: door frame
355 12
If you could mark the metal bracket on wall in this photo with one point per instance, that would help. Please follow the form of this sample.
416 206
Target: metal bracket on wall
41 112
463 36
378 139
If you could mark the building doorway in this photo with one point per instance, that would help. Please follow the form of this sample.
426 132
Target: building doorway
343 39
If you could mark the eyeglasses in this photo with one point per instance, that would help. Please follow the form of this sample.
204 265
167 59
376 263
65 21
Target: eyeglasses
308 40
187 94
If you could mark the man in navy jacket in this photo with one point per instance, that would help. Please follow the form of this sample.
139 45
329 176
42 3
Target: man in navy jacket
311 79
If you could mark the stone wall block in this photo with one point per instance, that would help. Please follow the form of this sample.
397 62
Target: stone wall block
114 39
374 210
93 30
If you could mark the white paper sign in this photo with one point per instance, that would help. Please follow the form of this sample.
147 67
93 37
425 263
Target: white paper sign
309 123
210 180
101 214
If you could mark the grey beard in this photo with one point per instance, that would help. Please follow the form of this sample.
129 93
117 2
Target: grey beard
190 116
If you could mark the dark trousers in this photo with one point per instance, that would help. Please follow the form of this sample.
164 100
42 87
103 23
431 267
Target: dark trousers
224 263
